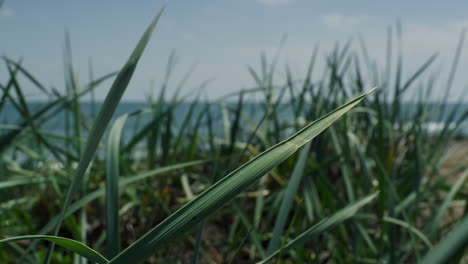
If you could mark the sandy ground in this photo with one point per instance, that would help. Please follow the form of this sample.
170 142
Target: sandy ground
458 153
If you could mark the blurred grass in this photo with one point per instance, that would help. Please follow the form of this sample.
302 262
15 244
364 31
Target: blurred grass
180 147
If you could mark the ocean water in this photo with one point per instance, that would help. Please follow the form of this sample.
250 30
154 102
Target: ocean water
56 121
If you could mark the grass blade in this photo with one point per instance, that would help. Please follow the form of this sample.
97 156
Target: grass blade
73 245
454 243
105 114
288 200
227 188
324 225
446 203
112 188
240 245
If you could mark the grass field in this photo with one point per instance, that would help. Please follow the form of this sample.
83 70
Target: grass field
354 176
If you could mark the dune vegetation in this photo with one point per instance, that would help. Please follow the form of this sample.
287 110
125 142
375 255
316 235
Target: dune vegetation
321 169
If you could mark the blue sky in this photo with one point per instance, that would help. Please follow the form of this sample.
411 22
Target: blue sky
221 37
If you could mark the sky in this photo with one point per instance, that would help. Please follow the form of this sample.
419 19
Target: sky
219 39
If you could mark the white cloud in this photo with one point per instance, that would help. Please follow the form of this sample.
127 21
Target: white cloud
7 12
188 36
341 22
274 2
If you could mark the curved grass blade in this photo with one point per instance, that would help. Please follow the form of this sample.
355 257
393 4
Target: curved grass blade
112 188
105 114
327 223
73 245
22 181
227 188
454 243
410 228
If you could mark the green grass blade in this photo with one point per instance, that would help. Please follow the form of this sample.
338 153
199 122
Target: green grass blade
22 181
241 244
288 200
112 188
27 74
344 164
446 203
327 223
253 234
410 228
123 182
198 244
105 113
73 245
227 188
454 243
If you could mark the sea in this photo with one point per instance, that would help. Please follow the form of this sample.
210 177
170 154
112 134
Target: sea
54 121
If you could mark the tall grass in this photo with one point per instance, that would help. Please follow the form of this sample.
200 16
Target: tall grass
186 180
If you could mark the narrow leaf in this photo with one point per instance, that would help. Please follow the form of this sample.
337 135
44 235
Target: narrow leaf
105 114
325 224
73 245
455 242
226 189
112 188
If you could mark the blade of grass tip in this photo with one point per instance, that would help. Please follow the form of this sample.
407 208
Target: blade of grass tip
192 149
58 103
23 109
185 124
28 75
226 123
93 97
73 245
255 77
166 139
112 188
398 73
104 116
388 58
325 224
288 200
72 86
420 71
452 244
227 188
309 203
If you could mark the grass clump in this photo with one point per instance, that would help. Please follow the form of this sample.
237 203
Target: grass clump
222 178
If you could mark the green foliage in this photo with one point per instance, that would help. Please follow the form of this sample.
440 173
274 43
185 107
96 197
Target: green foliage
375 187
